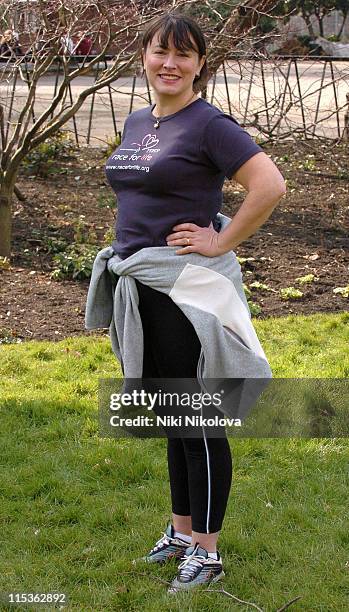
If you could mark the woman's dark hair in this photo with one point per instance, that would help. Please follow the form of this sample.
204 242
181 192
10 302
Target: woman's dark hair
182 28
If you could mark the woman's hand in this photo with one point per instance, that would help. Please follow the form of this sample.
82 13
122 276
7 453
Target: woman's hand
195 239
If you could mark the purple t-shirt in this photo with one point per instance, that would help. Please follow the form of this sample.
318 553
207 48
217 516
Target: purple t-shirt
173 174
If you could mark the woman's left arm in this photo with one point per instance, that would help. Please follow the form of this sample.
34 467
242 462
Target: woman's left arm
264 185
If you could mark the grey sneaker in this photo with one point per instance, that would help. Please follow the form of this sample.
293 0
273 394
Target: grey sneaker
165 549
196 569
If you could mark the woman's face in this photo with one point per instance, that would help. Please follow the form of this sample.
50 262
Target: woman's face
171 71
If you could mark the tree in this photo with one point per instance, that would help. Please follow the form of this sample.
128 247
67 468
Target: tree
214 11
106 22
320 9
343 7
110 26
305 8
242 23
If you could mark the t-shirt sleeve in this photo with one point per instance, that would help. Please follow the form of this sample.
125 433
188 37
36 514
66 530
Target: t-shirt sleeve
226 144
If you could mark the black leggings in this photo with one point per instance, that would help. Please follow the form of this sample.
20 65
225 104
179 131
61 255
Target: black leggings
200 469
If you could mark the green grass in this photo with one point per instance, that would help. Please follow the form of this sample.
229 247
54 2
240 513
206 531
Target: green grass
75 509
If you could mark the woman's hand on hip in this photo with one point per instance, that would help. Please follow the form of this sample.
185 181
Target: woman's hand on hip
192 238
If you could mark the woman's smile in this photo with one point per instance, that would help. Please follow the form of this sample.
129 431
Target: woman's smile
169 79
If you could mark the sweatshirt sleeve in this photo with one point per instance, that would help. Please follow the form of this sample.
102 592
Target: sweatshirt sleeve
227 145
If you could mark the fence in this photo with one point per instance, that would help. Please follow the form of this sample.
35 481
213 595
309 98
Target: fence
274 99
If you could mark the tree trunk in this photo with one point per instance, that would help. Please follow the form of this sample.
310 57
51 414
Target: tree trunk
5 221
321 25
342 27
309 25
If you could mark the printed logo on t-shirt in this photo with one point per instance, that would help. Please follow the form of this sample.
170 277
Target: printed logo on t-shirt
146 148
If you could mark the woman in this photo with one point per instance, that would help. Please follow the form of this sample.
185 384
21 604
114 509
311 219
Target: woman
168 174
83 44
9 44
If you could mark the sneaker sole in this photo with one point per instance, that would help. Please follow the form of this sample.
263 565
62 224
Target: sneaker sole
182 589
168 559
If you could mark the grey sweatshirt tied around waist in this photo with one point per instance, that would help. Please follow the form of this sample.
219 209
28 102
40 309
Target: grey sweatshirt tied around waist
208 290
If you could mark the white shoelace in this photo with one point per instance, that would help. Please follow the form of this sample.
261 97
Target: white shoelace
191 564
163 540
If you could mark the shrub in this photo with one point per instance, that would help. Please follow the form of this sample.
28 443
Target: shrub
108 237
75 262
308 278
254 308
261 286
290 293
42 161
83 232
8 336
309 163
112 144
4 263
304 40
54 245
333 38
343 291
106 201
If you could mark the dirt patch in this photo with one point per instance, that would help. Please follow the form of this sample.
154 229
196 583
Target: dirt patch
306 234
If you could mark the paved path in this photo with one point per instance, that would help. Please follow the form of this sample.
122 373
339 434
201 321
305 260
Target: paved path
310 76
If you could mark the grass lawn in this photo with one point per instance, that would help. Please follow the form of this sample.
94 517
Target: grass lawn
75 509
